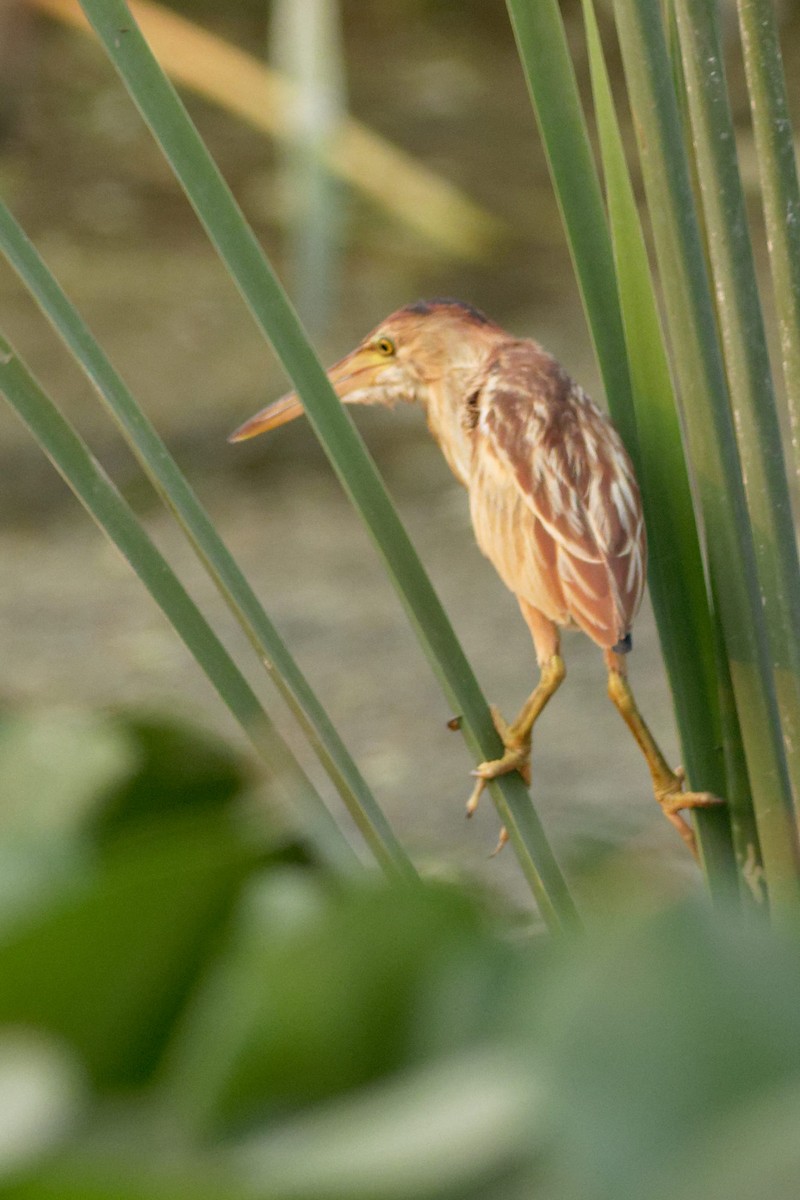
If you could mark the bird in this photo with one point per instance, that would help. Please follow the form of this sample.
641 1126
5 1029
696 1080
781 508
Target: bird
553 498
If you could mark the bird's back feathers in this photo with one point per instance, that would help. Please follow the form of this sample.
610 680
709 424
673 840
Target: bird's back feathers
553 497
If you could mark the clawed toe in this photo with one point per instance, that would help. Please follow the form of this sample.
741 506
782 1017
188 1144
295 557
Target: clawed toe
674 800
516 757
477 791
501 841
681 800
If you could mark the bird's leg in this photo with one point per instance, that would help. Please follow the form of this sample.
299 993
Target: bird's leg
667 784
516 737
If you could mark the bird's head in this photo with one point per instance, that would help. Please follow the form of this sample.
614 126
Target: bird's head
406 356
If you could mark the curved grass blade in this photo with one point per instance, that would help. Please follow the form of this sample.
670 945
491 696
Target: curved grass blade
237 246
711 438
97 493
780 189
677 577
749 373
175 491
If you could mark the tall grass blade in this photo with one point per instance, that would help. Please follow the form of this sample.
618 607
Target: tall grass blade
544 54
711 438
174 489
239 250
677 579
99 496
749 373
780 189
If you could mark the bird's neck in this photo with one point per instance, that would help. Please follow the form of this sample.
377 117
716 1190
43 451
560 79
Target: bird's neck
447 410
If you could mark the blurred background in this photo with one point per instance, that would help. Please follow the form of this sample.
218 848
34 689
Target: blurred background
439 80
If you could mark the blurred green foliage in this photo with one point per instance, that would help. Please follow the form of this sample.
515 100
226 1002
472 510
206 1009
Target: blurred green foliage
191 1006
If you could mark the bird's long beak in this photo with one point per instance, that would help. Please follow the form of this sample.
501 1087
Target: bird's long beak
352 377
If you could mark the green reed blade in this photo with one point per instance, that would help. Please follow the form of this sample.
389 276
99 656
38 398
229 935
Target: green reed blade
780 189
711 436
543 51
677 578
744 344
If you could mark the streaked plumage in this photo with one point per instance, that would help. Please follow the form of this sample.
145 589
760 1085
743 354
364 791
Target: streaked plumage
553 497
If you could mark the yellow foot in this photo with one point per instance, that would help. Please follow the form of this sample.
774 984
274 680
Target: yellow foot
517 757
673 799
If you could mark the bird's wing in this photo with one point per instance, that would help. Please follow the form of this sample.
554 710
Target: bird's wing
564 497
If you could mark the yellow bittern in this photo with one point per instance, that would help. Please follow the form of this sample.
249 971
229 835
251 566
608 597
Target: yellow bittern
552 494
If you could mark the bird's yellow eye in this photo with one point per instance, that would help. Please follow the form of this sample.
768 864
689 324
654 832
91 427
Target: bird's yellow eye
385 346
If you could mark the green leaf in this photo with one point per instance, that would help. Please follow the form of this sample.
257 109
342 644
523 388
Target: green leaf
706 1008
109 965
482 1114
43 1096
56 767
118 1178
317 995
176 769
755 1152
